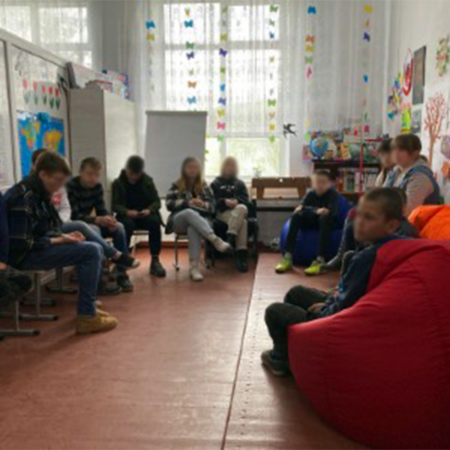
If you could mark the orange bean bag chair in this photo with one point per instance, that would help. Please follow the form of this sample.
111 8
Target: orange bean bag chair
433 222
380 371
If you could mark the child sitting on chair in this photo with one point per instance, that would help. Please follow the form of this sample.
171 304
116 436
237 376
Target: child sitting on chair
318 210
191 203
378 217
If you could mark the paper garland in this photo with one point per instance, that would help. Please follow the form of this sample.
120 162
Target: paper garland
367 13
272 99
150 26
309 48
221 110
395 97
443 56
191 54
45 93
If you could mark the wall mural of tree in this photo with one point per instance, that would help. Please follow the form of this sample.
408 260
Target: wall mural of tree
436 110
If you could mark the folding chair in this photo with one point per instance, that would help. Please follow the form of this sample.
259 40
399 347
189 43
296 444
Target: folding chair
17 330
135 239
38 301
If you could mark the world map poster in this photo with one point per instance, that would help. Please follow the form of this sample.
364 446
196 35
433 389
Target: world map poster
39 131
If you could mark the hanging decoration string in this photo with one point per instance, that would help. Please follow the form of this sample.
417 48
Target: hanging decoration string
191 54
221 110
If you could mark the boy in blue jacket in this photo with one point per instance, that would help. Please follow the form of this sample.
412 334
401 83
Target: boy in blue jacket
378 217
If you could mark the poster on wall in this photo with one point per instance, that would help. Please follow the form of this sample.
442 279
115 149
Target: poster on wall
419 76
40 88
38 131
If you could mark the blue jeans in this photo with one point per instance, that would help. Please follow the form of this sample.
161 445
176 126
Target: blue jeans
92 234
119 236
87 257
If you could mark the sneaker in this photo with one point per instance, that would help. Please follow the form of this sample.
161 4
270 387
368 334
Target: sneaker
127 261
241 261
98 304
123 280
284 266
102 313
317 267
278 367
96 324
195 274
157 269
220 245
107 290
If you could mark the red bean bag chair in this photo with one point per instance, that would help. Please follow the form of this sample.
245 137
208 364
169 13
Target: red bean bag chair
380 371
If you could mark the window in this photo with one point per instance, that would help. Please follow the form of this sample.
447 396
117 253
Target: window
197 76
63 29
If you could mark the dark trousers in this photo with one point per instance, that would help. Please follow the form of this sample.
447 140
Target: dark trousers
294 310
310 220
151 223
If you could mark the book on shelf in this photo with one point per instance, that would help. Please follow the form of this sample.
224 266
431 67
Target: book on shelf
348 179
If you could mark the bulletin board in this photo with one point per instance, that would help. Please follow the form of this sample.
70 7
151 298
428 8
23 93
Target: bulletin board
6 147
40 90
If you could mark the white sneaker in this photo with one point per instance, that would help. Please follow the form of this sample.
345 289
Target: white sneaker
220 245
195 273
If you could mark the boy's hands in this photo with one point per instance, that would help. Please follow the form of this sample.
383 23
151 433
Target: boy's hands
71 238
323 212
2 266
144 213
106 222
316 307
231 203
132 214
298 209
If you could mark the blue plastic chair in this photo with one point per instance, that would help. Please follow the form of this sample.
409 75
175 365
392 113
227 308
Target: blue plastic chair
307 241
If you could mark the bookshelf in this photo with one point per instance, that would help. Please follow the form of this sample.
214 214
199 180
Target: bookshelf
346 173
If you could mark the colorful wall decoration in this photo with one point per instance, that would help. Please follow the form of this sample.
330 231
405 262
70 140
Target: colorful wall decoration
191 57
223 54
436 111
39 131
367 16
443 56
150 26
272 99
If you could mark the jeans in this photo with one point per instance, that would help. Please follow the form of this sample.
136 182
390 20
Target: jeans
87 257
196 227
236 219
280 316
151 223
118 235
307 219
91 235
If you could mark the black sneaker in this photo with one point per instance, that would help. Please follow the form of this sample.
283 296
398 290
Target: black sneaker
231 239
105 290
241 261
157 269
278 367
127 261
123 280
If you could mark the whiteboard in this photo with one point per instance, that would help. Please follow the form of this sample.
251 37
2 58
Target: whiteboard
6 148
172 136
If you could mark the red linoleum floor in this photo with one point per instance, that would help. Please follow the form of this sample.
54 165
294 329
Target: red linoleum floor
170 377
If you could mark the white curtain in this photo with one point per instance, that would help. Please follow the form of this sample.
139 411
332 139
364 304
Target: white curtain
254 65
65 27
245 62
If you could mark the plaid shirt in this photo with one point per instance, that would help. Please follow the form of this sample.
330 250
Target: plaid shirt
32 219
84 201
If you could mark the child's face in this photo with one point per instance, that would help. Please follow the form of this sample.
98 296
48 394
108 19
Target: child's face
371 224
230 170
90 177
386 160
402 157
192 170
321 184
132 176
53 182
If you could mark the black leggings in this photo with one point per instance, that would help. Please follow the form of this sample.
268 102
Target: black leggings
294 310
151 223
310 220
